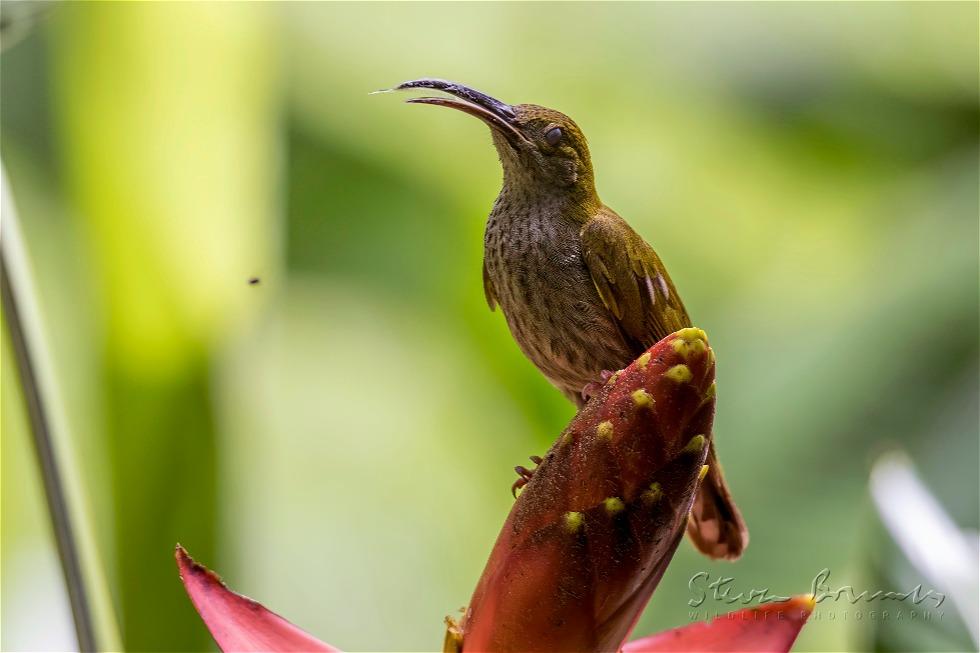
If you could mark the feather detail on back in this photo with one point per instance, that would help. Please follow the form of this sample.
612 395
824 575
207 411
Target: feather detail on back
631 279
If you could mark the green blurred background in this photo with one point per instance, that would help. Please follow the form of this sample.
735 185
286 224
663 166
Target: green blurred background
339 439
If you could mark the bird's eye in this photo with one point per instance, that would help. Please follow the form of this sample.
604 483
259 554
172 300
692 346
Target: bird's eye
553 136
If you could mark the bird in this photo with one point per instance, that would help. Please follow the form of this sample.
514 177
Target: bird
582 293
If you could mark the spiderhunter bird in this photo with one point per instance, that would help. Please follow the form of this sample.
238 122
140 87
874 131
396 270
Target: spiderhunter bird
583 294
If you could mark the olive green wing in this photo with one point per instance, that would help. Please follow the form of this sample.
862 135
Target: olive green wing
488 291
631 280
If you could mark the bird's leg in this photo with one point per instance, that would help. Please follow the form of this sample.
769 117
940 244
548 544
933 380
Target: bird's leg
524 475
593 387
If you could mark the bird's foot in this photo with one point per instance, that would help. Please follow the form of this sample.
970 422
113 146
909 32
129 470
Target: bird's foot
592 388
524 475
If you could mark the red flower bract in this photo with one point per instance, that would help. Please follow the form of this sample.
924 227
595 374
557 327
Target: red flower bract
591 535
766 629
587 541
240 624
236 622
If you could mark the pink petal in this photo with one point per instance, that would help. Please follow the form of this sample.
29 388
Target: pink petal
236 622
770 628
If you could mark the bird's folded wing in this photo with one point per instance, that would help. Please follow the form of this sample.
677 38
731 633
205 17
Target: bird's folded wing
631 280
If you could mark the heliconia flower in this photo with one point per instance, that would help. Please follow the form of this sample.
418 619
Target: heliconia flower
588 539
590 536
238 623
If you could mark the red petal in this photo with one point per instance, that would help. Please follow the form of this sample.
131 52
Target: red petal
236 622
771 628
592 533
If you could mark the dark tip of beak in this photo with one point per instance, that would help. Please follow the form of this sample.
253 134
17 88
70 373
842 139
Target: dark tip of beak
498 115
495 106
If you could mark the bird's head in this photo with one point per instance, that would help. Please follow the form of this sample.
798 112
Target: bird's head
537 146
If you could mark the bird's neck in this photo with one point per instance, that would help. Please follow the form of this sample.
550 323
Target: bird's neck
519 203
522 193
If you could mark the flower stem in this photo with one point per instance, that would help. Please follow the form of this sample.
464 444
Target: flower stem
14 288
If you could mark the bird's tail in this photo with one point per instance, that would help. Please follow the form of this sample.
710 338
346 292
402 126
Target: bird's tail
715 525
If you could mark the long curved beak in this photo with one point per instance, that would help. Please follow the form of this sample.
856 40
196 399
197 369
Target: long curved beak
496 114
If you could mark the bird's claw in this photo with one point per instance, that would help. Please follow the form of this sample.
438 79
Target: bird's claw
524 475
593 387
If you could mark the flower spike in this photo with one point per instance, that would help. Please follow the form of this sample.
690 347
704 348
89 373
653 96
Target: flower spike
586 542
592 533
